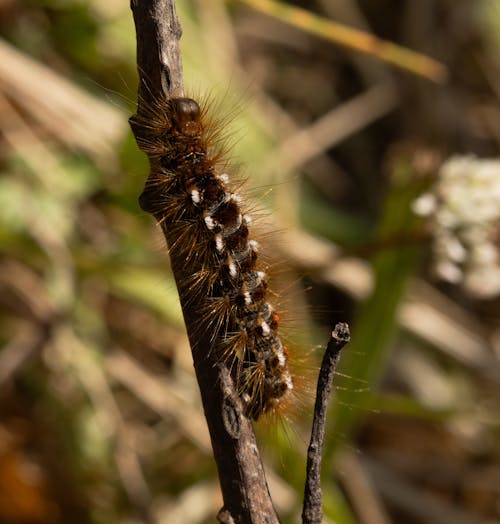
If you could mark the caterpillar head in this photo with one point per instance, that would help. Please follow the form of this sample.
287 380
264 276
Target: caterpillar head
186 115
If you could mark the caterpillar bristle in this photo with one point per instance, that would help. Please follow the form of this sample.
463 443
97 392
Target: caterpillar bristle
198 204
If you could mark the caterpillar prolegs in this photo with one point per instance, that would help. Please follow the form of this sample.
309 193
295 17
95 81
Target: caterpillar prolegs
193 199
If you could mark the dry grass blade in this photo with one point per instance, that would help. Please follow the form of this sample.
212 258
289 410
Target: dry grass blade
19 351
355 40
337 125
75 117
361 490
160 396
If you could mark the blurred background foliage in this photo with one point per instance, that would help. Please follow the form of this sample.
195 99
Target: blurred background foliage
100 420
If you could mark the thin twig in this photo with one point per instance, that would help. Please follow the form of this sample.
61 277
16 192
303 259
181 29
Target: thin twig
312 512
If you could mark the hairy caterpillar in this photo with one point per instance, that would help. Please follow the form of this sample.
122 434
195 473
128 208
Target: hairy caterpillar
193 199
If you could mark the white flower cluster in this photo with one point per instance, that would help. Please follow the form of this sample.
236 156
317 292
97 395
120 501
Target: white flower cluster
464 209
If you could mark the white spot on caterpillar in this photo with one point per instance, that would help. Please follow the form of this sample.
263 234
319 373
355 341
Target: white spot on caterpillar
195 196
209 221
281 357
254 245
260 276
288 381
232 267
247 219
225 178
236 198
266 330
219 243
248 298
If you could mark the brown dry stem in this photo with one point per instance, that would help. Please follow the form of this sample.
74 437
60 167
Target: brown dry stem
244 488
312 512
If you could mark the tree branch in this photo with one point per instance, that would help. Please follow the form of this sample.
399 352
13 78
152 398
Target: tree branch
244 488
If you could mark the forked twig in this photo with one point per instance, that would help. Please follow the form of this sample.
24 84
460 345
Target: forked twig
244 488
